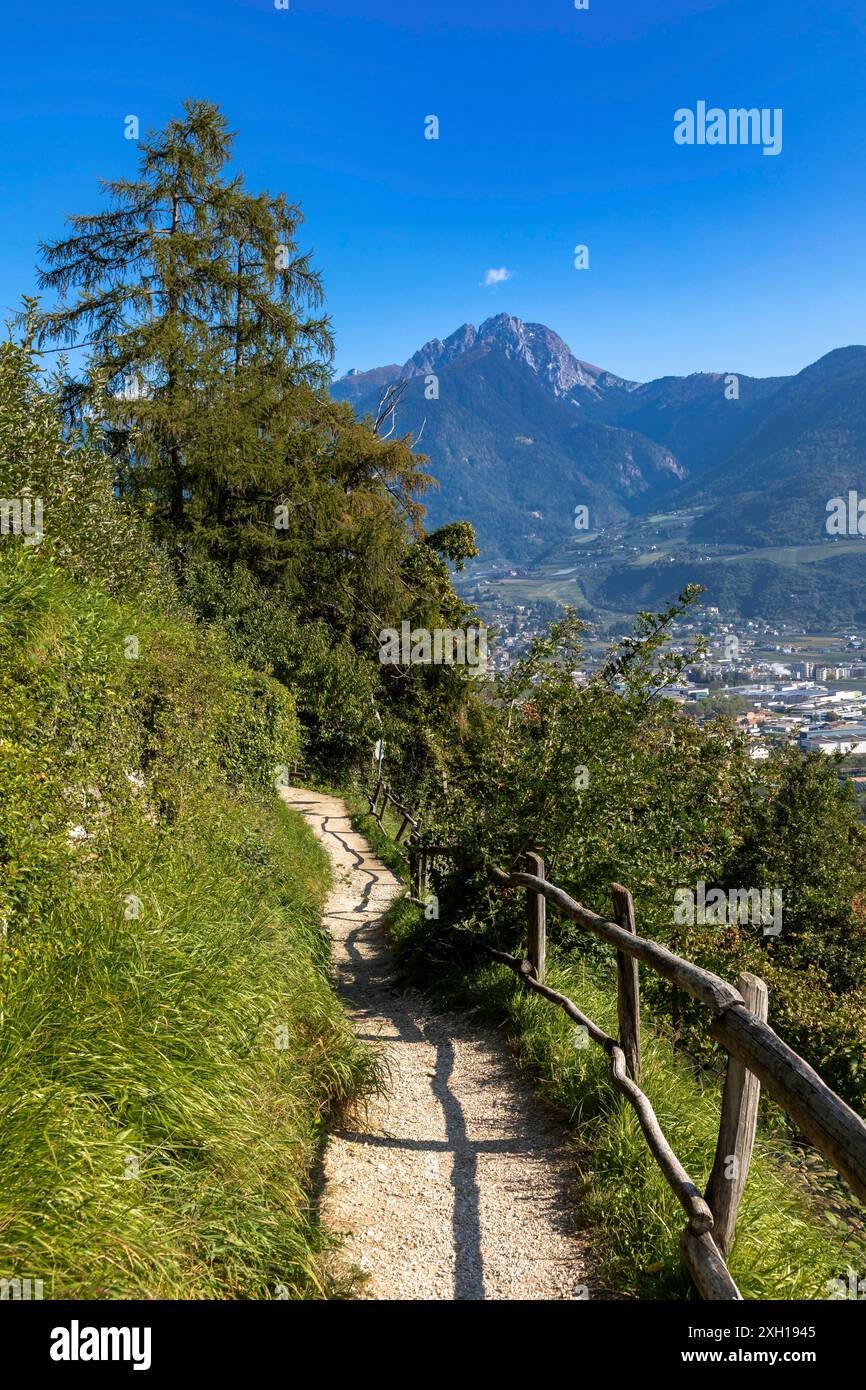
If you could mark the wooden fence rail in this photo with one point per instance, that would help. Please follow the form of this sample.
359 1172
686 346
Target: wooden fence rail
388 797
833 1127
756 1055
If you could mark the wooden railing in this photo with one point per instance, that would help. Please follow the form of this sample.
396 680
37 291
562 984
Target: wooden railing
756 1056
389 799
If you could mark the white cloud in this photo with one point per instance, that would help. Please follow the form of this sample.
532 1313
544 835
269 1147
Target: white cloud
497 277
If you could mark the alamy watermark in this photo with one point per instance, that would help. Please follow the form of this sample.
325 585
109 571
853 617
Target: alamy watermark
20 1289
737 126
762 907
846 516
438 646
77 1343
22 516
854 1287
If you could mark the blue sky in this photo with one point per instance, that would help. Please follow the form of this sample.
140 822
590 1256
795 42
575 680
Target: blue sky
556 129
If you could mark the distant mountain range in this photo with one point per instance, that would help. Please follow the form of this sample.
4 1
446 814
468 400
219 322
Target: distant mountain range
519 431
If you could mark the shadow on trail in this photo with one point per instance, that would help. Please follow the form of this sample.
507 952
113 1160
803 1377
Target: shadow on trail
365 979
363 903
367 985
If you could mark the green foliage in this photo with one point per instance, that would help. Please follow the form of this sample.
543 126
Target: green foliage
208 370
289 522
715 706
613 784
616 786
804 837
159 926
192 294
171 1045
330 681
456 542
143 717
91 533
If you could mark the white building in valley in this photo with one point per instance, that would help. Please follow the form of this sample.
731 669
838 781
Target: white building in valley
834 738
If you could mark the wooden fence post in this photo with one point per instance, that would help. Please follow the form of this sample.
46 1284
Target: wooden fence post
536 918
627 984
737 1129
414 870
703 1260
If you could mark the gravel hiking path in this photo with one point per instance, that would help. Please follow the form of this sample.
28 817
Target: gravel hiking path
455 1185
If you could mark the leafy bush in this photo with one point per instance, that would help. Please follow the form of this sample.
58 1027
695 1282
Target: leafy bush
89 531
331 683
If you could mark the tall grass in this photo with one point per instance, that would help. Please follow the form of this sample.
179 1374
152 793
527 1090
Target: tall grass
170 1045
158 1124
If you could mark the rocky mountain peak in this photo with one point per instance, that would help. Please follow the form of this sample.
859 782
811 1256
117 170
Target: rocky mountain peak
542 350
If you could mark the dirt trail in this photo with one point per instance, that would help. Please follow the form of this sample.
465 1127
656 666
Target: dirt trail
458 1186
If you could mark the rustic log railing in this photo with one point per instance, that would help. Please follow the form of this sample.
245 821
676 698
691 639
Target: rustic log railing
389 798
420 854
756 1056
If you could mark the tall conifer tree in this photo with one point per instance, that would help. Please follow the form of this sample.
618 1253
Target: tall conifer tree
209 358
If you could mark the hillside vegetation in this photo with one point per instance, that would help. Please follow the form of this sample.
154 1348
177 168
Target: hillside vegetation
619 788
170 1042
199 614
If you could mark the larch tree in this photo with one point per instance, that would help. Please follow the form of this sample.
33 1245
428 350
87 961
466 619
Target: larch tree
149 289
209 358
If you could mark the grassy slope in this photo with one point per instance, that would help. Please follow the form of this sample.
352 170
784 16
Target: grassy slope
170 1043
785 1247
380 838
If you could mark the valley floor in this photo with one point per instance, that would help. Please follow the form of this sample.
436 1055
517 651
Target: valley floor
456 1183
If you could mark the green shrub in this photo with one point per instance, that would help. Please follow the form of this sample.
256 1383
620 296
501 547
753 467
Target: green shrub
87 530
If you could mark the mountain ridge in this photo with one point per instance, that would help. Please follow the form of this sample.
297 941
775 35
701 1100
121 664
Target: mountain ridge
519 431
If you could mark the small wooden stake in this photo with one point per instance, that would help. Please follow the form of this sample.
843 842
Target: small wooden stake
737 1129
628 984
536 918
